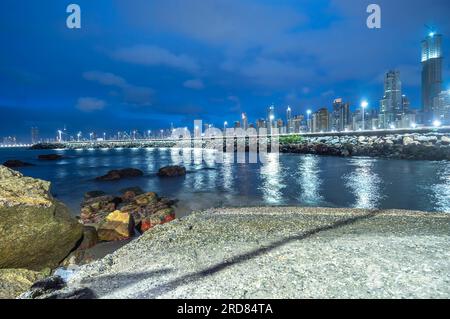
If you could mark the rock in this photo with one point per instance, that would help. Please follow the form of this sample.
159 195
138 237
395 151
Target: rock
146 199
408 141
50 157
117 226
36 230
114 175
96 209
90 238
136 189
172 171
77 258
160 217
93 194
46 286
14 282
16 163
445 139
82 293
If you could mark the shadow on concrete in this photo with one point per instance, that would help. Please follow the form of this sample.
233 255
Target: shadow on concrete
173 284
121 280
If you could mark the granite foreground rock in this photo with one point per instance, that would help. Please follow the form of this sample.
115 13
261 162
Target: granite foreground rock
280 253
36 230
14 282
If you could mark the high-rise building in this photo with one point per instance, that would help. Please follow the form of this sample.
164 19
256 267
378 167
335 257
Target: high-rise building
431 73
340 117
442 107
271 118
261 123
289 123
34 135
320 120
244 121
391 106
299 124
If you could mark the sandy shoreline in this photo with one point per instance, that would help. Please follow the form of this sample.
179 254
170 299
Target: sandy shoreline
282 252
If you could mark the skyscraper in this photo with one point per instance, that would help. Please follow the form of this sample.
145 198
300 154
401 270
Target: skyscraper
270 118
289 124
442 107
244 121
340 117
320 120
431 73
34 135
391 106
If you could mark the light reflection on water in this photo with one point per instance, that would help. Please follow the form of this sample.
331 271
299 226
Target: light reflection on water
309 180
364 183
301 180
441 190
272 180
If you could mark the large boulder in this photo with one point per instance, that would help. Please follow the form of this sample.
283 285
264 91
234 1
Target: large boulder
117 174
36 230
14 282
172 171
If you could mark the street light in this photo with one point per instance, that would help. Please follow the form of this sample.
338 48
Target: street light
437 123
59 135
364 105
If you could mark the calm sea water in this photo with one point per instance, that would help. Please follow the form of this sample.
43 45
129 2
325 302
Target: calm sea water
303 180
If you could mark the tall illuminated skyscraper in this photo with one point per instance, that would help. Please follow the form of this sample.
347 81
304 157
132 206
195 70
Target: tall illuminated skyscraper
289 126
391 106
431 72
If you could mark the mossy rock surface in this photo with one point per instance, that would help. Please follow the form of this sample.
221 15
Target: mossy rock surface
14 282
36 231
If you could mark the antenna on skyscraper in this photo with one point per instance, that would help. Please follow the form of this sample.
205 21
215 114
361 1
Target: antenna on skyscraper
430 29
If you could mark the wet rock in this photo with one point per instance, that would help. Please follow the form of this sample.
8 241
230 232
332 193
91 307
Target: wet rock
16 164
117 226
172 171
96 209
135 189
50 157
93 194
115 175
36 230
160 217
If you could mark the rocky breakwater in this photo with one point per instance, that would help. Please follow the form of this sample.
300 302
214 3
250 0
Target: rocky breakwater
36 231
431 146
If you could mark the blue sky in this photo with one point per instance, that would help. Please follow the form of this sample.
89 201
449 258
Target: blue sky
142 64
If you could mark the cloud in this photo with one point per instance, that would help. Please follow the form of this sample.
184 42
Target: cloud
90 104
195 84
276 73
132 94
155 56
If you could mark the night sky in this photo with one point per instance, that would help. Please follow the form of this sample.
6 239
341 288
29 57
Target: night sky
142 64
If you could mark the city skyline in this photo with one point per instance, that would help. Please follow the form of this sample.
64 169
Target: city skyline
90 80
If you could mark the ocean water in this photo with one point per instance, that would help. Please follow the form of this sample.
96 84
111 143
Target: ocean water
300 180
